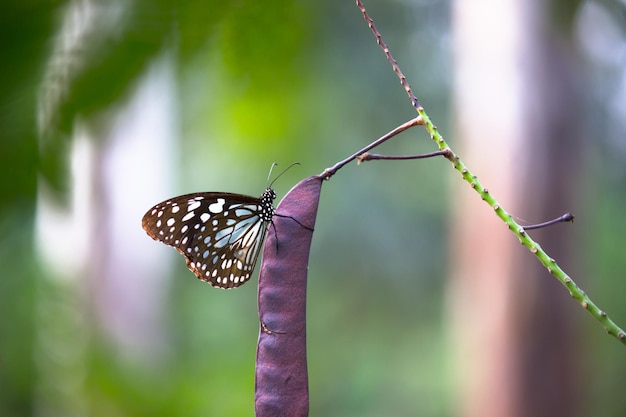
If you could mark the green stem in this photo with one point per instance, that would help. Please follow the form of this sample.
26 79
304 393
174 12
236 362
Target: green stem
550 264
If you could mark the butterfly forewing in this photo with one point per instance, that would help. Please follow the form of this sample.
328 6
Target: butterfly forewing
220 234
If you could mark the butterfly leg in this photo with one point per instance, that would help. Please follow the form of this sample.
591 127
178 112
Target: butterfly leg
295 220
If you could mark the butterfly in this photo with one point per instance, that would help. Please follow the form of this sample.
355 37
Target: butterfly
219 234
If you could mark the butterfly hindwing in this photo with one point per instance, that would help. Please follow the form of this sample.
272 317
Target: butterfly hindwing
220 234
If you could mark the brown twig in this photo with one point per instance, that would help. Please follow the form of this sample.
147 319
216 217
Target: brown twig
374 156
329 172
567 217
392 61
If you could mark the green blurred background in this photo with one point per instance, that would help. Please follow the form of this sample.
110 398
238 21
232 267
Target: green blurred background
109 107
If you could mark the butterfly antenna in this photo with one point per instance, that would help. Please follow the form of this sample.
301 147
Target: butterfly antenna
279 175
270 173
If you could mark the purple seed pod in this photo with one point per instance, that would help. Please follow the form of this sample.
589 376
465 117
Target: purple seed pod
281 380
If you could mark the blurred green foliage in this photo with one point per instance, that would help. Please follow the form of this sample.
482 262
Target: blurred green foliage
284 81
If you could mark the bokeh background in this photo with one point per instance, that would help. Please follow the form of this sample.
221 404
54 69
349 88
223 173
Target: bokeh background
108 107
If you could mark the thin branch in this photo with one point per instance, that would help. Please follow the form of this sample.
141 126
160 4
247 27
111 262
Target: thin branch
375 157
394 64
567 217
329 172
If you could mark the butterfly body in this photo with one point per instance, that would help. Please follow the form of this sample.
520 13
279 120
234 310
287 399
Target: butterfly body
220 234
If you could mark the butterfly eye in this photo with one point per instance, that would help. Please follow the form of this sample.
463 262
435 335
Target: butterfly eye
220 234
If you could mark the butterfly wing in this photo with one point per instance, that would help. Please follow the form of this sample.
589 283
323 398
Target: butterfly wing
220 234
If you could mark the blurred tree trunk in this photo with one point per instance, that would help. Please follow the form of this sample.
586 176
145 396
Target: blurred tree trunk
516 102
128 274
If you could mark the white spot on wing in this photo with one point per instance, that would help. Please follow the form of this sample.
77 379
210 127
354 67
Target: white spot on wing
218 206
193 205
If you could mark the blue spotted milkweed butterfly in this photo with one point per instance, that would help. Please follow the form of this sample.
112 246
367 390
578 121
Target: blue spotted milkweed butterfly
219 234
